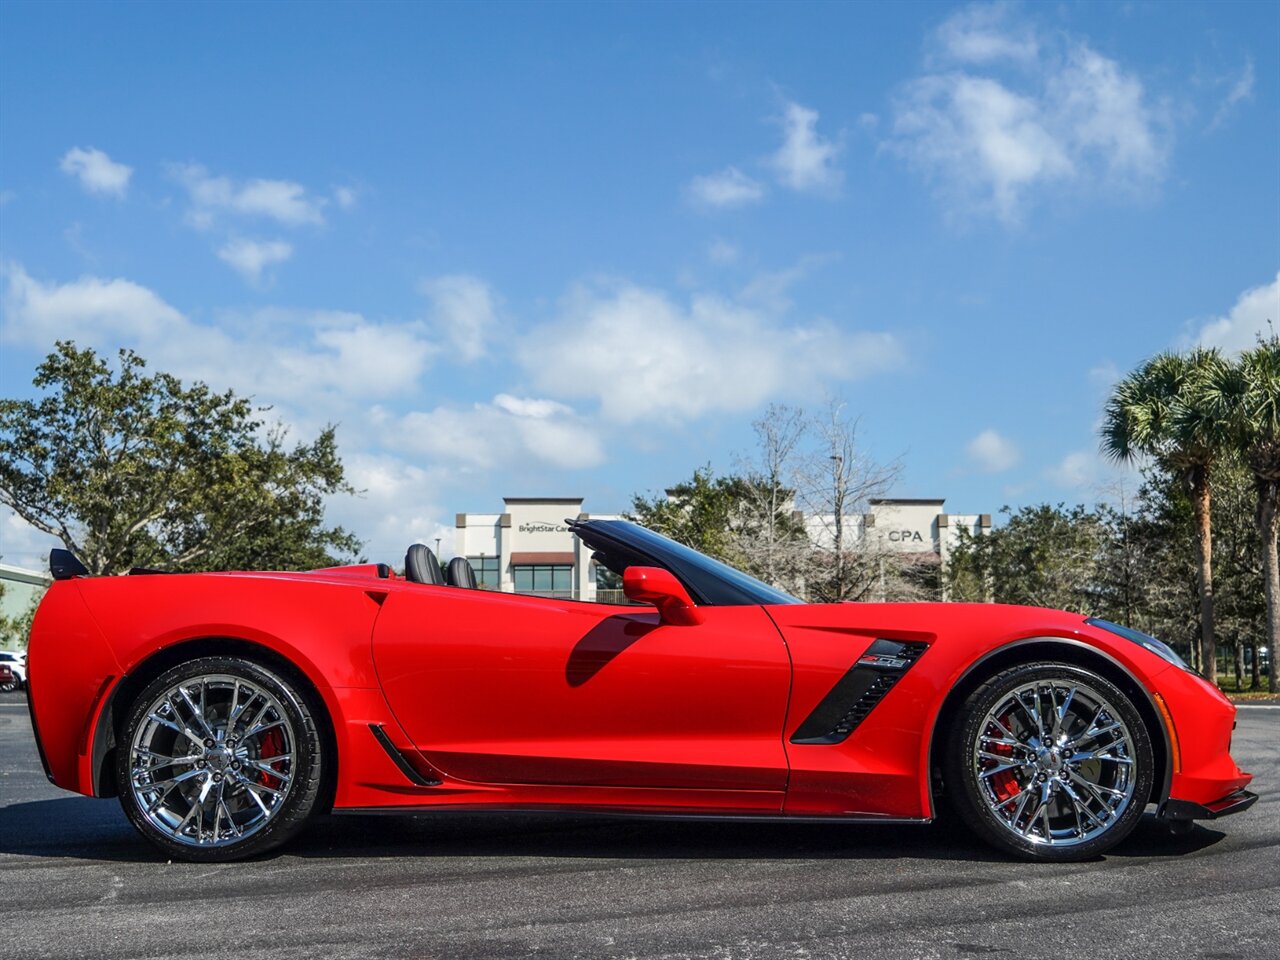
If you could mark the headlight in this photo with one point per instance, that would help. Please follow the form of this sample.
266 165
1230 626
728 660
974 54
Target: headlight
1158 647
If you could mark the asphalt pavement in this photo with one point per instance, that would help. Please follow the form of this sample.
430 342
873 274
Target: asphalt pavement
77 881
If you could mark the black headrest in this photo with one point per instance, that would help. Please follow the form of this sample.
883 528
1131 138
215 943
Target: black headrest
420 566
460 573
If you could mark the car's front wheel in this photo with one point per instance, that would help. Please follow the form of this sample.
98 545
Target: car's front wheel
1049 761
218 759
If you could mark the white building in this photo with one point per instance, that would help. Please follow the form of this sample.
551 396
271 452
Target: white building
899 525
529 548
917 530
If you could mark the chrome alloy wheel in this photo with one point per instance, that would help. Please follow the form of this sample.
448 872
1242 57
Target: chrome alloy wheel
1054 762
212 760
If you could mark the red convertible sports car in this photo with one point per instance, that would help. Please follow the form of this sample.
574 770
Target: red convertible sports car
225 709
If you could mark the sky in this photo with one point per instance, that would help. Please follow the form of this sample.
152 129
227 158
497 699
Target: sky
576 249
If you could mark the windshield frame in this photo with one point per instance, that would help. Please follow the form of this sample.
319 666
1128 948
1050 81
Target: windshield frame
619 544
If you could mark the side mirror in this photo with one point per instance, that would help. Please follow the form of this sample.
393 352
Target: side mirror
661 588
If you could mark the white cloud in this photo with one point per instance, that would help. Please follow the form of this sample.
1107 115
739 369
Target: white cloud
1102 114
984 143
507 432
728 188
1249 318
89 309
722 252
399 504
988 137
986 33
1241 90
22 545
992 452
640 355
96 171
770 289
283 201
806 160
250 257
345 197
1077 470
530 407
464 310
309 359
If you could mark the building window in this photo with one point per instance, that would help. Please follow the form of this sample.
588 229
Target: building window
486 569
609 586
546 580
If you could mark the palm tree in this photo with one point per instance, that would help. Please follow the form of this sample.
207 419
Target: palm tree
1166 410
1248 394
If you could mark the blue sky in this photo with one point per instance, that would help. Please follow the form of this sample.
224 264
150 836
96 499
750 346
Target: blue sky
575 249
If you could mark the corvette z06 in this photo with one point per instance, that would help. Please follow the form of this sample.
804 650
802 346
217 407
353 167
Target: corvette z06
226 709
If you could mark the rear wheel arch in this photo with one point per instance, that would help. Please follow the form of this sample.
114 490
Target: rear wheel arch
1064 650
133 683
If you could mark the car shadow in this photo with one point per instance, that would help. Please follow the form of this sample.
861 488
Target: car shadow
77 827
84 828
603 643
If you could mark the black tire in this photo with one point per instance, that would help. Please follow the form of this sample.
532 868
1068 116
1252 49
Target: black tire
305 771
7 685
970 787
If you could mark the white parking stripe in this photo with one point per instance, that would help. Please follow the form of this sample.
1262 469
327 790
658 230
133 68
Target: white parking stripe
1258 706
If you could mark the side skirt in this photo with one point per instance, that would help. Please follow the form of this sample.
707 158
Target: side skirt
560 810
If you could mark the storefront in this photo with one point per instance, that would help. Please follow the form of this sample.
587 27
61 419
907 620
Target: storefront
529 548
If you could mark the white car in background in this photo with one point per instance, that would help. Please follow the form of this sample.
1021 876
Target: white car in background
17 662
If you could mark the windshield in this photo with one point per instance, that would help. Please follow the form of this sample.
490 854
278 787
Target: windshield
621 544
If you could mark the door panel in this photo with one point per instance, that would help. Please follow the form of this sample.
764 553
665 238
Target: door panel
498 688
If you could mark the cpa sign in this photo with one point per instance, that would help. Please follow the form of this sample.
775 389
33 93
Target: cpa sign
905 536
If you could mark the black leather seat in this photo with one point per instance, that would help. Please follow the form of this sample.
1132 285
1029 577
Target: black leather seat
460 574
421 566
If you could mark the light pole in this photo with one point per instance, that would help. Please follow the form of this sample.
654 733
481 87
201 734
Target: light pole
837 476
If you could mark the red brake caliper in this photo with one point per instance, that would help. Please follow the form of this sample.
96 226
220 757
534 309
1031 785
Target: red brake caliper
1003 784
270 744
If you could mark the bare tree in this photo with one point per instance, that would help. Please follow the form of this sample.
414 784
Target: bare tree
769 533
835 482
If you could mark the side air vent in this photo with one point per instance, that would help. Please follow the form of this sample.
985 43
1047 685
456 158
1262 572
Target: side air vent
858 692
400 760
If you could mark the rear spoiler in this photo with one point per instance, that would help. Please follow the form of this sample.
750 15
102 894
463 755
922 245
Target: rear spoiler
64 565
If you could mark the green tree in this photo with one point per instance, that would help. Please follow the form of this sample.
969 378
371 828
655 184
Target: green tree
1165 410
1162 532
698 512
1248 394
129 470
1041 556
14 630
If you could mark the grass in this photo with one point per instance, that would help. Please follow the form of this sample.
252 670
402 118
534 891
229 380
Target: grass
1248 695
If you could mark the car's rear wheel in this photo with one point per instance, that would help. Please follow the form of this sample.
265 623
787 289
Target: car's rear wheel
1049 761
219 758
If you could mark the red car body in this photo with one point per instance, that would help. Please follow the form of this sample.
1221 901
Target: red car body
436 696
